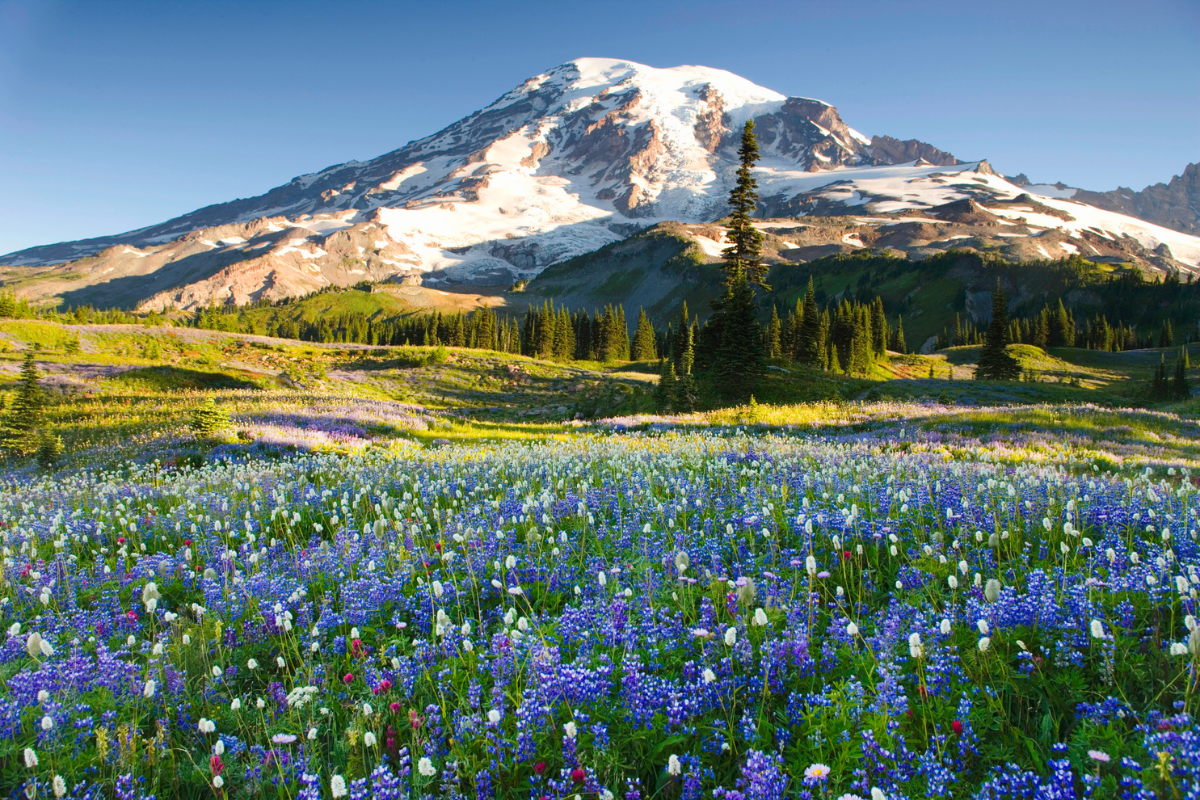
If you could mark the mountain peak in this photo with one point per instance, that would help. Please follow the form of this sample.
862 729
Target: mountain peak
566 162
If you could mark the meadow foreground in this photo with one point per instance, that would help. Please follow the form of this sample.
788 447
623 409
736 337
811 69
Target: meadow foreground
877 608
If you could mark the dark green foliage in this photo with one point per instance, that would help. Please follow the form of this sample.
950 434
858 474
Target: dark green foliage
1160 386
1180 389
879 329
738 355
644 346
664 392
683 339
810 347
732 347
1063 330
852 337
689 352
50 449
687 397
1167 337
898 343
744 253
209 420
564 336
774 335
994 361
26 415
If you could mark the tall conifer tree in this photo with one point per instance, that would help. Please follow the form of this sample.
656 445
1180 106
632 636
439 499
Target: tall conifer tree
745 241
644 347
774 335
734 335
994 361
810 348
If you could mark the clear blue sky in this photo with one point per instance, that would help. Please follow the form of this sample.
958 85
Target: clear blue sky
116 115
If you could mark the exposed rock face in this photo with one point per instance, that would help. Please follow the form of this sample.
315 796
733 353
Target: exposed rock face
887 150
711 123
966 212
812 133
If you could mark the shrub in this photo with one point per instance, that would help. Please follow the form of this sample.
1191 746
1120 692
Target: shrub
209 420
50 449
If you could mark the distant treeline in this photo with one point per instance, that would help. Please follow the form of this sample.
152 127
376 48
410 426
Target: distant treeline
846 336
1057 328
544 332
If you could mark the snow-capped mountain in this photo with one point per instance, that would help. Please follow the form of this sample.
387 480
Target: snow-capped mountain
1174 205
567 162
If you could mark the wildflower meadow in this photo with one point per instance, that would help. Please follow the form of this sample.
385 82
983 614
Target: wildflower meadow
739 613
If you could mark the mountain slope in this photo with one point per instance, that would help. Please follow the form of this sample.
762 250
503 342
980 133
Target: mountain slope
569 161
1174 205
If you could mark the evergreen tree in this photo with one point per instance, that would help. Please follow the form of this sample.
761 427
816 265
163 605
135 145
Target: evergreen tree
686 395
622 335
546 323
994 361
1167 337
583 338
1179 386
597 346
1160 387
745 250
50 448
26 415
680 344
564 337
644 347
689 354
664 393
810 349
1041 328
879 329
774 335
900 346
859 361
732 343
831 358
791 330
739 355
1061 328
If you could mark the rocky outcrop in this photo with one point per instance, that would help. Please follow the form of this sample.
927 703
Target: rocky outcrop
886 150
710 125
965 212
810 132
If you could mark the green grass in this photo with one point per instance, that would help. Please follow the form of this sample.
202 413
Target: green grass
49 335
172 379
131 385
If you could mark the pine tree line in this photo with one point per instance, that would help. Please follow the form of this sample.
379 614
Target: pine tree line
543 332
1177 386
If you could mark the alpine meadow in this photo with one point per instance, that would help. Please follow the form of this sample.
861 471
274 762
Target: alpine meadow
644 435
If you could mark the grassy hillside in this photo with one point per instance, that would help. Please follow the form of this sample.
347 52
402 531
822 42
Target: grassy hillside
116 388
